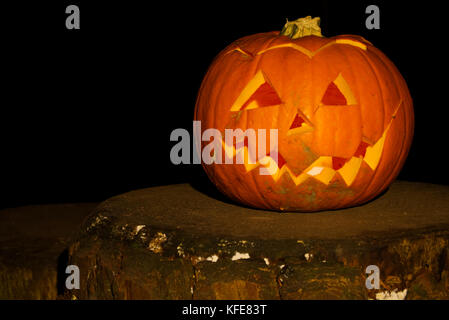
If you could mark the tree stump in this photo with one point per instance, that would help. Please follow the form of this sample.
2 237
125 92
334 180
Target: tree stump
177 242
32 244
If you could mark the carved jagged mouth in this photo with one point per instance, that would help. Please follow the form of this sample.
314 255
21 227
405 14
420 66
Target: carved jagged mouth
322 169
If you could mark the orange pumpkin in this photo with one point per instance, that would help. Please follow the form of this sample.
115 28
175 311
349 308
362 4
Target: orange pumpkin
342 109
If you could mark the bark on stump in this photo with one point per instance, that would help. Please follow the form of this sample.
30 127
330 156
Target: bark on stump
176 242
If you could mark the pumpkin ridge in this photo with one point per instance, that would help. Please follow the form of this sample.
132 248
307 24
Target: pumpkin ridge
368 185
375 73
376 170
403 150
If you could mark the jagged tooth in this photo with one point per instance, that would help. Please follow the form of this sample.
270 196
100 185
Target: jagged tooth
350 170
297 179
373 153
315 171
323 174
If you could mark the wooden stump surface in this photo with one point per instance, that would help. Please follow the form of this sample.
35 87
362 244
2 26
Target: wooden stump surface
177 242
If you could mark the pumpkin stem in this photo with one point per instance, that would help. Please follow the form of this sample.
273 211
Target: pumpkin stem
302 27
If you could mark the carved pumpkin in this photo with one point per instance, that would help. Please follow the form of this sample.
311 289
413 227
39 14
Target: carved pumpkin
343 112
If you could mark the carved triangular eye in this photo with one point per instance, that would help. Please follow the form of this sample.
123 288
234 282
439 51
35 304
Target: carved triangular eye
338 93
258 93
333 96
264 96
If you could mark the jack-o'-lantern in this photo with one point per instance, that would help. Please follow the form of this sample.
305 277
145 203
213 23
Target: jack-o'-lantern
343 112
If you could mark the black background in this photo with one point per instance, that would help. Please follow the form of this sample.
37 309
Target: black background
87 114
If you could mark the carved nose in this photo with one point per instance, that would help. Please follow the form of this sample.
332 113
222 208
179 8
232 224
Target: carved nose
299 125
297 122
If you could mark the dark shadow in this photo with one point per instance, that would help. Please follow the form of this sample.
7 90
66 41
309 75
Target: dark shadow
202 183
63 261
